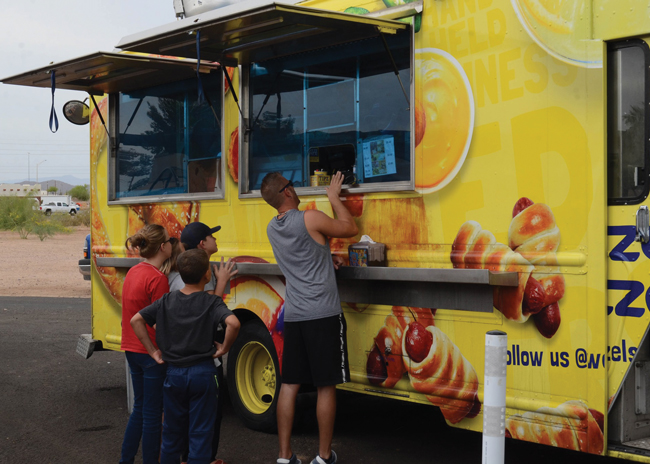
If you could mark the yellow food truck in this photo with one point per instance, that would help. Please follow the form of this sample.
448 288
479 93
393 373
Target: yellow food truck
498 148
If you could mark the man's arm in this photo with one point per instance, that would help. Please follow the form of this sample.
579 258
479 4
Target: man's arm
232 329
140 329
320 225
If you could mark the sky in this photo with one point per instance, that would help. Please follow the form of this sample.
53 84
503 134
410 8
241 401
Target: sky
34 33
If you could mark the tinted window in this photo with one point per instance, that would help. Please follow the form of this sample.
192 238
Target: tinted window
168 143
337 108
627 122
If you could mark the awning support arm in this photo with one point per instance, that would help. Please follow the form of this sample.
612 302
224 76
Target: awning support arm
234 95
202 97
101 118
395 70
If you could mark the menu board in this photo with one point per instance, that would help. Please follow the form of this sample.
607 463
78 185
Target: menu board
379 156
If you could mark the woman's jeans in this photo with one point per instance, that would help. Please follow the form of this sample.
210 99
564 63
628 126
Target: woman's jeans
146 419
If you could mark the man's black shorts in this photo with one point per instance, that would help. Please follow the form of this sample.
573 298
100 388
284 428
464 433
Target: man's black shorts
316 352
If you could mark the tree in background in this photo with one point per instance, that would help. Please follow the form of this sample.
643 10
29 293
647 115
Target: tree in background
80 192
53 189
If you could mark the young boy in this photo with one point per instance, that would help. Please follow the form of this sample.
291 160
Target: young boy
197 235
186 325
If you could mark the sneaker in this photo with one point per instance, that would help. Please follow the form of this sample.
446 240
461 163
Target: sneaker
319 460
294 460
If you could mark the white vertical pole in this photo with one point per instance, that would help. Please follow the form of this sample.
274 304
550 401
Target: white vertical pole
494 397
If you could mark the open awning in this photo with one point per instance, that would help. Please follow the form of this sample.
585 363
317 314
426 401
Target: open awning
254 30
105 72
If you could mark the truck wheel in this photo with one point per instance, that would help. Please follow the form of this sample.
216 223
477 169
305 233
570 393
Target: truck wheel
73 212
48 212
254 377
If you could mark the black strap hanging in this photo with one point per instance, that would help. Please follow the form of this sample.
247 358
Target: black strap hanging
54 120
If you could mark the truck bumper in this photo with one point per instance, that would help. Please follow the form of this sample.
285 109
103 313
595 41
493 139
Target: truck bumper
86 345
84 268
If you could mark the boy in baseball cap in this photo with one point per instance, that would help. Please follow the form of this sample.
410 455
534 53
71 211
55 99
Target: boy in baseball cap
199 235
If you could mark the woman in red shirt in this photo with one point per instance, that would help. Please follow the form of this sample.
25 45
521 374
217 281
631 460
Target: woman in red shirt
143 285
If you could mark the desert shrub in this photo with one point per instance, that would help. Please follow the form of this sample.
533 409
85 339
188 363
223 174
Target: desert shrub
84 217
18 214
65 219
80 192
44 227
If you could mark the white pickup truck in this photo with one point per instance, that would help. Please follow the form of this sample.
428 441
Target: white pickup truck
58 207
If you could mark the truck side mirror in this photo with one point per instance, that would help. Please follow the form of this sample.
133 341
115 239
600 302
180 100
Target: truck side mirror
77 112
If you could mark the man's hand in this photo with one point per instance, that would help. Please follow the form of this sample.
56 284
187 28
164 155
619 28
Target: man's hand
220 350
334 190
338 261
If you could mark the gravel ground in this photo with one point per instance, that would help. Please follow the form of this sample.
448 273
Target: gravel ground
49 268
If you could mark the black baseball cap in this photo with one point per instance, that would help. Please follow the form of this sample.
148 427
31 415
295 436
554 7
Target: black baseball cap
194 233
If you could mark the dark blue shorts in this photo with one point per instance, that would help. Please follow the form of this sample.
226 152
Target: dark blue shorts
316 352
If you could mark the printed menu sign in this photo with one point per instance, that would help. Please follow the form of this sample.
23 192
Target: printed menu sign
379 157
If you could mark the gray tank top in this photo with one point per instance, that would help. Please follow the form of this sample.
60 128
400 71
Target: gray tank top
307 265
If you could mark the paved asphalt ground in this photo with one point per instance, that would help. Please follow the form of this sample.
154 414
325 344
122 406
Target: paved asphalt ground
56 407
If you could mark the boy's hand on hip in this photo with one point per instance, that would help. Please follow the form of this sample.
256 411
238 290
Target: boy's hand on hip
220 350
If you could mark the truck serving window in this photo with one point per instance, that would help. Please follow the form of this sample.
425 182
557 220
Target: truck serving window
339 108
167 143
627 122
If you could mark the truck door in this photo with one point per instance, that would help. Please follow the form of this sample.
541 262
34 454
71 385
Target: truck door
628 246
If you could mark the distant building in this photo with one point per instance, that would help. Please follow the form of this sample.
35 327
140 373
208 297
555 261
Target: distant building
21 190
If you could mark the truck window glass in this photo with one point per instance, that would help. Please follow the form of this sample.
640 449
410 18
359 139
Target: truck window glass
168 143
627 122
337 108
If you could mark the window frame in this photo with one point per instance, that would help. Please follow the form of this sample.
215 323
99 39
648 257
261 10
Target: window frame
645 48
112 162
244 143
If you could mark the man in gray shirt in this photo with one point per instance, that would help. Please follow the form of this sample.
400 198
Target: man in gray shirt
315 345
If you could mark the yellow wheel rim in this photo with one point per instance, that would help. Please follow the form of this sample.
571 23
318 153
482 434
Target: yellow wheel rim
255 375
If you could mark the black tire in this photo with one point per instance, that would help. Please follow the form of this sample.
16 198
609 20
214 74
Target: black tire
73 212
48 212
254 377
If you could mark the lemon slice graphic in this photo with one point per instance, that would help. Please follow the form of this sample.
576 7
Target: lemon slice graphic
562 28
556 15
444 118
